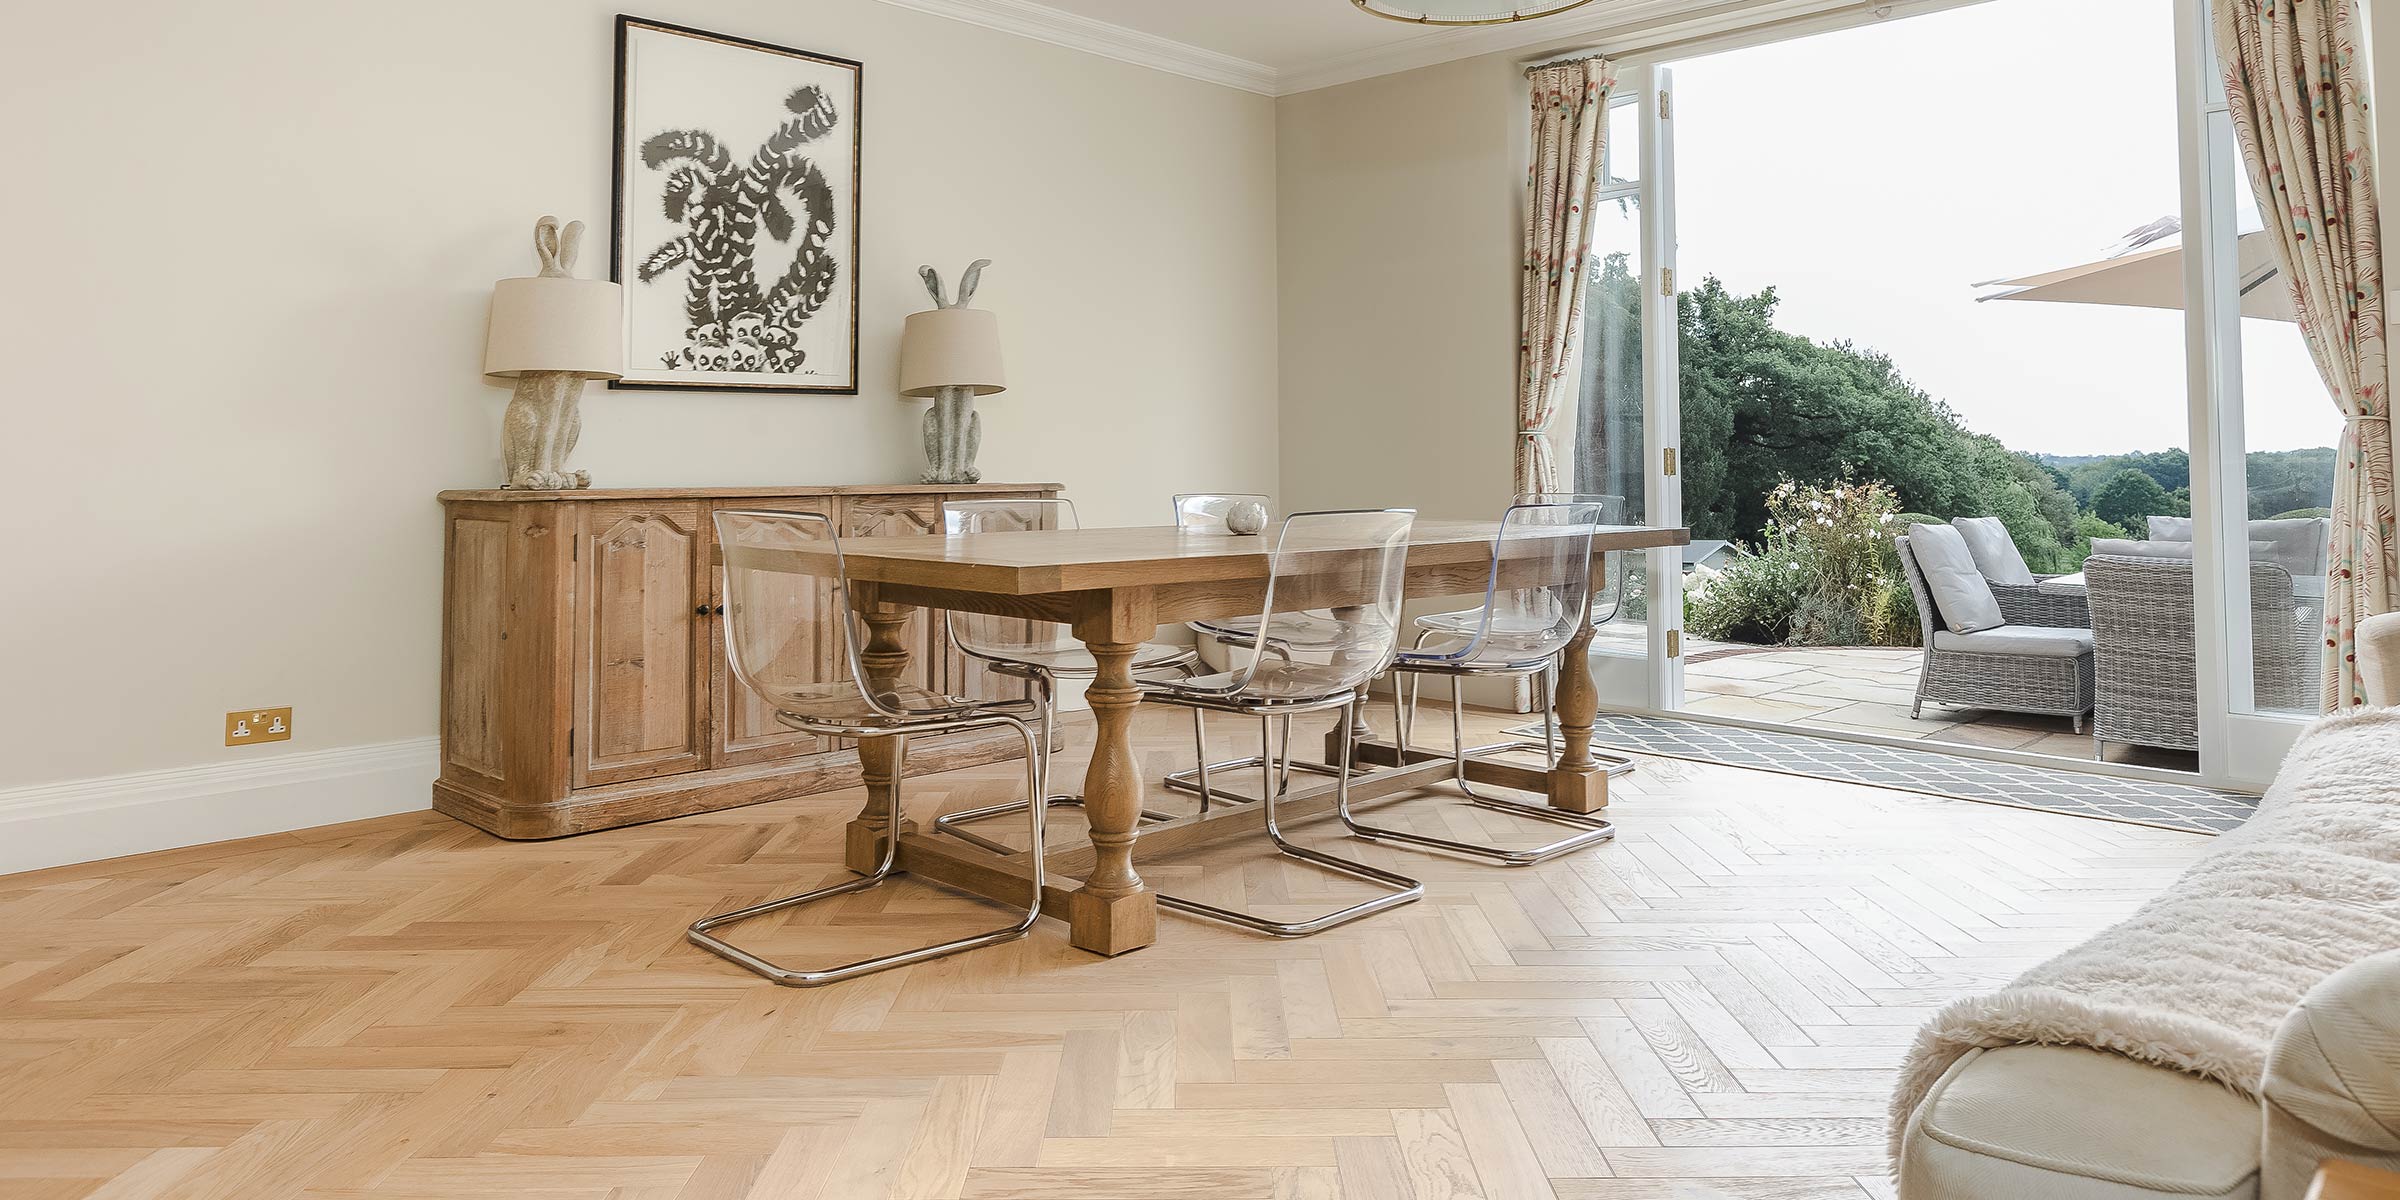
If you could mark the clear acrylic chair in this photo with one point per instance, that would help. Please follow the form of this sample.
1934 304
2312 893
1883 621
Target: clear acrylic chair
1360 554
1606 601
1543 556
1039 652
1205 513
777 658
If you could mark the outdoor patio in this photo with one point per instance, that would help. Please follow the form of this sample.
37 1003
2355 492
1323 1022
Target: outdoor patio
1868 690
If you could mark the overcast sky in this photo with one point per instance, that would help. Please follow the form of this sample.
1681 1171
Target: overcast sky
1873 175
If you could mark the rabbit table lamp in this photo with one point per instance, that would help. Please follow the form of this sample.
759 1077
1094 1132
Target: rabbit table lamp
953 355
551 333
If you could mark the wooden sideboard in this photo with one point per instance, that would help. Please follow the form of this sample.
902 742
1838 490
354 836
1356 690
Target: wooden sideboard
584 683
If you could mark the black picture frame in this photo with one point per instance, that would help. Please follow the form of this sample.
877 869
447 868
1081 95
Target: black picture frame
715 353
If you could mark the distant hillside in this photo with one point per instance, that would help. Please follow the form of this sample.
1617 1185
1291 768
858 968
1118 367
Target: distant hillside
2281 481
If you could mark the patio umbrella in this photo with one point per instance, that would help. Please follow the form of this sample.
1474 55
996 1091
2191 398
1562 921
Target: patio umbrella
2152 277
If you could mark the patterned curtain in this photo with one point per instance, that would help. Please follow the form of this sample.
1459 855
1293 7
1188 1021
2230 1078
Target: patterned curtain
2297 89
1570 121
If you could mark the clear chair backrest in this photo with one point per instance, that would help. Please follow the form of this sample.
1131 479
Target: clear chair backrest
1610 594
787 629
1611 508
1204 512
1334 584
1541 575
1007 638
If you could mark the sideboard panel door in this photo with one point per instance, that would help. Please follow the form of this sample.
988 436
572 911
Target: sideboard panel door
747 731
642 684
475 613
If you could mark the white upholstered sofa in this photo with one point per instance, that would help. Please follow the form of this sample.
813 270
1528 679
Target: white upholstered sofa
2063 1123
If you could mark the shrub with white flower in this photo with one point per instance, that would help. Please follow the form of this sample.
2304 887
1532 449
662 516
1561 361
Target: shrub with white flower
1823 577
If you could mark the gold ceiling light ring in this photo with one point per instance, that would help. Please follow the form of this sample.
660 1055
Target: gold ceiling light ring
1462 12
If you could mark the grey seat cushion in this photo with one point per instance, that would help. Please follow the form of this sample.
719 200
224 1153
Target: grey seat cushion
2039 641
2129 548
2067 1123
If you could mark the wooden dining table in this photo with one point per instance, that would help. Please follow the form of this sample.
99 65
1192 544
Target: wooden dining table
1114 588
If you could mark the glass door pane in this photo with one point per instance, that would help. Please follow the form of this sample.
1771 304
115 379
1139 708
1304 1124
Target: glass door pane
1622 425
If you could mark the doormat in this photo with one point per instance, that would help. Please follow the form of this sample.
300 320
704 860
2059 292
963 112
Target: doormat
2076 793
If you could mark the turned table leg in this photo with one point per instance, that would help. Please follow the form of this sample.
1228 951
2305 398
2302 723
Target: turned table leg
1113 912
1577 783
881 760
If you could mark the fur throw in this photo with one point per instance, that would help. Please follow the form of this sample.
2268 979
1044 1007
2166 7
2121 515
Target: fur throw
2198 979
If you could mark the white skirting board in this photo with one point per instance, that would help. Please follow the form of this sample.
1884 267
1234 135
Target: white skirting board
82 820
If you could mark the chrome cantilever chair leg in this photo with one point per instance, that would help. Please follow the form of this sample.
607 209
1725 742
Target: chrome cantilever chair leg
701 932
1195 780
1612 764
1592 829
954 823
1404 890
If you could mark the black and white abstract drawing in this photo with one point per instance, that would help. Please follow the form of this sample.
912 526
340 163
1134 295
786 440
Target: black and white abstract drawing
736 212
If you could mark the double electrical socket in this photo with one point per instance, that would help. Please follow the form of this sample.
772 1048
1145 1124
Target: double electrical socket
258 725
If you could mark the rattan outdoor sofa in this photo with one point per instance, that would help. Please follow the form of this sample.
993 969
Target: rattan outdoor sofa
2143 631
2033 663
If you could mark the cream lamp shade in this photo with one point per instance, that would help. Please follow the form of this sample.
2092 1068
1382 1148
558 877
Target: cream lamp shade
951 347
556 323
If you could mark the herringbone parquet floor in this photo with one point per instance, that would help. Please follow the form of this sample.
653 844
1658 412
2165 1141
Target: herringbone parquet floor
1709 1007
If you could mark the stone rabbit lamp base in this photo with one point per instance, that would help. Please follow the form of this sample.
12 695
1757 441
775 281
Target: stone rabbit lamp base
951 354
552 333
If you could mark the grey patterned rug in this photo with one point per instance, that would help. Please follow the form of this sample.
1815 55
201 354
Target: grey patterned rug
2077 793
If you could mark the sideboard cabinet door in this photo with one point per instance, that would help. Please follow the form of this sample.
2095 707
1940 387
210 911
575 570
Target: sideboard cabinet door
805 608
642 612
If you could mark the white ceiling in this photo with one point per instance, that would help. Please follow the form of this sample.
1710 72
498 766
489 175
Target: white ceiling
1276 47
1282 35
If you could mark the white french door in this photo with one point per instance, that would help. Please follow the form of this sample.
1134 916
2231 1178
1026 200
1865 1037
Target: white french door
1626 419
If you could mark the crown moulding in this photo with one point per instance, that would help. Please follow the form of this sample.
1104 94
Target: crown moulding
1612 27
1042 23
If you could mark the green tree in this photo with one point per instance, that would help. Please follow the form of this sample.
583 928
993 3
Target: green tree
2129 497
2086 474
2284 480
1761 404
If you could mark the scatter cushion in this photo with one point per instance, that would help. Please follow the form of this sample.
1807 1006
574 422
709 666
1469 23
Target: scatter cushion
1959 591
2031 641
1995 553
2332 1088
2296 545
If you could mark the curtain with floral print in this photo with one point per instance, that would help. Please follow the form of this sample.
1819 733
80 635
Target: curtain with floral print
1570 122
2296 85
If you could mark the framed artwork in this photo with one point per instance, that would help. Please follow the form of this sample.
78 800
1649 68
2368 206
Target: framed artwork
736 212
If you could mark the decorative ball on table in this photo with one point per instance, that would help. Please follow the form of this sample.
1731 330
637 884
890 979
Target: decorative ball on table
552 333
951 354
1247 518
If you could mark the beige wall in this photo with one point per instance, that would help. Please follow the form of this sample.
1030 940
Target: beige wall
250 250
1401 199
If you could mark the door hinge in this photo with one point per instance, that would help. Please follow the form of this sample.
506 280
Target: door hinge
1674 643
1666 105
1666 281
1670 460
